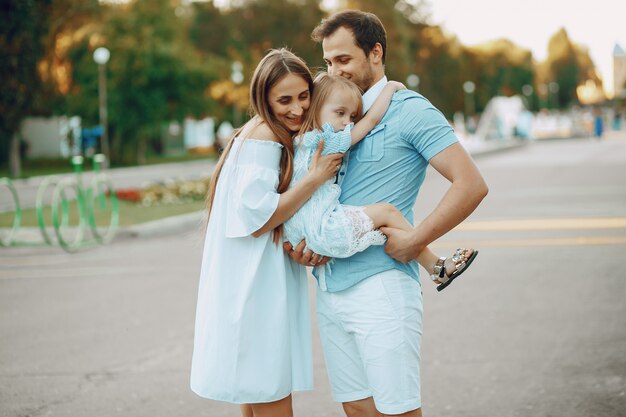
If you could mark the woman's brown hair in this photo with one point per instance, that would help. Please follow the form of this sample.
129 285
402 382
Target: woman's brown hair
276 65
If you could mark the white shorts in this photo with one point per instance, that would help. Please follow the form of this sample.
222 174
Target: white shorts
371 335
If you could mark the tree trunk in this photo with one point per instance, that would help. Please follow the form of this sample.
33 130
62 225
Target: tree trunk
141 151
15 161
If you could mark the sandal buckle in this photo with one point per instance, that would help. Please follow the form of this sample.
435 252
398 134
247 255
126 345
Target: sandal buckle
439 271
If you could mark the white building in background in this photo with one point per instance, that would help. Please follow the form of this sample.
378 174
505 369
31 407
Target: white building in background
199 135
619 71
52 137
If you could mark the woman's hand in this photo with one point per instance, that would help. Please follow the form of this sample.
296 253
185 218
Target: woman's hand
323 168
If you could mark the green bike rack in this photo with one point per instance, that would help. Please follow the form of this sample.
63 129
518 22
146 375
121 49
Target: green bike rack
99 196
17 219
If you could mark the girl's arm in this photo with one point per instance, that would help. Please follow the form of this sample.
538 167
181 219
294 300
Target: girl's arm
376 112
321 169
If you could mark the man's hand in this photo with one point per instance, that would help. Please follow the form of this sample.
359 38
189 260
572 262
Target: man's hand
400 244
307 258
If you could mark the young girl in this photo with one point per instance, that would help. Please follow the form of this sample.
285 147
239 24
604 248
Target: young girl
336 230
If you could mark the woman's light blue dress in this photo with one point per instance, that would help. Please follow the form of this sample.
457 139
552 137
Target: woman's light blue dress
329 228
253 333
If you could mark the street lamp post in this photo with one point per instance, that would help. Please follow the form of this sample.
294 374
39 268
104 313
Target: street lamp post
553 88
101 57
236 76
527 90
469 87
543 96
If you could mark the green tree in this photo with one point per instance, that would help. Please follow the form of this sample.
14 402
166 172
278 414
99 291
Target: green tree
154 75
22 42
244 33
402 20
33 39
501 68
569 65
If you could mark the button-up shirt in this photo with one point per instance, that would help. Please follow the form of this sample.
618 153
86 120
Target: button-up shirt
389 165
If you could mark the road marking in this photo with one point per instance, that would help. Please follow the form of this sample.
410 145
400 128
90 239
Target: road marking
545 224
566 241
83 272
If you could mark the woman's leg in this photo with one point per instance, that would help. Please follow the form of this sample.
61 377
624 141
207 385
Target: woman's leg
246 410
280 408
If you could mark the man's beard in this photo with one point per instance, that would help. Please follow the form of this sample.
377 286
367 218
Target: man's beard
364 80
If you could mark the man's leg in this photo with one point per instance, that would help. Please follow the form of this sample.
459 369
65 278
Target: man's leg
382 316
361 408
346 375
367 408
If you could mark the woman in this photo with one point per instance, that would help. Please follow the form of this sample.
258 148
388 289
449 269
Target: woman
252 336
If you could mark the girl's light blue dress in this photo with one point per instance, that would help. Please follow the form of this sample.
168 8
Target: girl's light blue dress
329 228
253 334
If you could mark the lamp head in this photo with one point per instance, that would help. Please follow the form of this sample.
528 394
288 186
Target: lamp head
101 55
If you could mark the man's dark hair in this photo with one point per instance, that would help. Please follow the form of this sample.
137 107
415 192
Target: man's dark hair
366 27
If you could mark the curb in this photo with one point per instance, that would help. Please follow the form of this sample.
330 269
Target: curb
162 227
495 147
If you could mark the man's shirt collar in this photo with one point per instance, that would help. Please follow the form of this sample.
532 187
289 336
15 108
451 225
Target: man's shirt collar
372 94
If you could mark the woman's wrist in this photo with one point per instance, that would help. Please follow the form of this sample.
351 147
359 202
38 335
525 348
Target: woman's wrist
312 181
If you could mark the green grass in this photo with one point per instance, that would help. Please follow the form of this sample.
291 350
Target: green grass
130 214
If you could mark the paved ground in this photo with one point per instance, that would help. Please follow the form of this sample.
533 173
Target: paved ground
536 327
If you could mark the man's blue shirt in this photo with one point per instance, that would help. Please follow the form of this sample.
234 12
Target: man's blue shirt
389 165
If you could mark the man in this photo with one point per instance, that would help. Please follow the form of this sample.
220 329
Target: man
370 316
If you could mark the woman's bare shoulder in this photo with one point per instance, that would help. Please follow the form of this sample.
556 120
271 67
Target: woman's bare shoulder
260 132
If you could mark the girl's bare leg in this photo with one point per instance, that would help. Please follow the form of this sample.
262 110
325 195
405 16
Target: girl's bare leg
385 214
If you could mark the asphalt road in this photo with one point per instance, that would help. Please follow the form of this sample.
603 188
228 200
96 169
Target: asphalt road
536 327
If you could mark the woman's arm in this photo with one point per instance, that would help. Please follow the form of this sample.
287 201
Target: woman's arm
321 169
376 112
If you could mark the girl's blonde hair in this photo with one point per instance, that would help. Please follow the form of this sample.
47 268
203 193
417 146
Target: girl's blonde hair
276 65
323 85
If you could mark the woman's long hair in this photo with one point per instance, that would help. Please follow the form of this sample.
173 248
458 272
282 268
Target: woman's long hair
276 65
323 85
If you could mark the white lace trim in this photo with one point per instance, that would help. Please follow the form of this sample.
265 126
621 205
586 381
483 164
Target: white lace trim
363 233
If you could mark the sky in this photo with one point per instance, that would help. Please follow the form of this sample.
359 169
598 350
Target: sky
596 24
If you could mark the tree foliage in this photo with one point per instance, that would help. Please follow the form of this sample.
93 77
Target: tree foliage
22 42
568 65
154 75
172 58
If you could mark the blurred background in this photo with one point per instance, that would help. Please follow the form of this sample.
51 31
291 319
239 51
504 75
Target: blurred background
144 81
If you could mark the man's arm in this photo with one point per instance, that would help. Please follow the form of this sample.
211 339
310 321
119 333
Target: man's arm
467 190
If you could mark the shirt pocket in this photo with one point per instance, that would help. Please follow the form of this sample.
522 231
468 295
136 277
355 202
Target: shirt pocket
372 147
